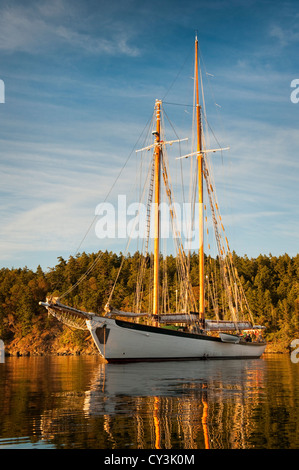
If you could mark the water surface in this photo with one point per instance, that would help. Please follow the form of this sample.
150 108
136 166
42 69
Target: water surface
81 402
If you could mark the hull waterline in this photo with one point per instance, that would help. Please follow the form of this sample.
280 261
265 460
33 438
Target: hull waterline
122 341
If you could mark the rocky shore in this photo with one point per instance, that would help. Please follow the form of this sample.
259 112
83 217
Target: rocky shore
57 341
63 341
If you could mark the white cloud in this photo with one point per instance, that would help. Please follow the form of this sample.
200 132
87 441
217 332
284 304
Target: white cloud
40 27
284 36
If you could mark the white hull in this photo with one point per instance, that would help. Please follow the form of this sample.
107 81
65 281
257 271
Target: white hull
122 341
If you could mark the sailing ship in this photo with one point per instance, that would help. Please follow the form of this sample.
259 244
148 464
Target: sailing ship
122 336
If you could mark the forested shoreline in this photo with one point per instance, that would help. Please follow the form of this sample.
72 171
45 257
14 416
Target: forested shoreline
270 284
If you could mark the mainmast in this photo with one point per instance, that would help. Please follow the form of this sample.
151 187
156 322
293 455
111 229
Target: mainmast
200 192
157 156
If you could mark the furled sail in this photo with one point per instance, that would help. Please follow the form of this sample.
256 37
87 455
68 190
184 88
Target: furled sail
70 316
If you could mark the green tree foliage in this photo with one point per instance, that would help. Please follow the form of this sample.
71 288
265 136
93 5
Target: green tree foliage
271 285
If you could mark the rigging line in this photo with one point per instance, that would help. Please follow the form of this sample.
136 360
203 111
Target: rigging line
115 181
88 271
179 72
218 143
182 179
91 267
172 126
139 290
182 259
179 104
231 279
213 96
129 239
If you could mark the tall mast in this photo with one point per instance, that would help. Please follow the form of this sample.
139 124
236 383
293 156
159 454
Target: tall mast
200 191
157 156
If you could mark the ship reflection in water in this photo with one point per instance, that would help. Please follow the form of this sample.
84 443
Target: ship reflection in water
76 402
190 405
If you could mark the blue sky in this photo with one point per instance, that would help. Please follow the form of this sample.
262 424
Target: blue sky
81 79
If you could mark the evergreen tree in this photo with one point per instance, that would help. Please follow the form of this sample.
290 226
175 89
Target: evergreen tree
271 285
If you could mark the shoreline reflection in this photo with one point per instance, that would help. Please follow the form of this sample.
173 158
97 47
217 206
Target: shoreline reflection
82 402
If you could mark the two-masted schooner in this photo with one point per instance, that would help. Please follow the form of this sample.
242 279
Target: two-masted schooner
136 336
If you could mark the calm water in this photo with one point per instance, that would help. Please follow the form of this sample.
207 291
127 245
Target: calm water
80 402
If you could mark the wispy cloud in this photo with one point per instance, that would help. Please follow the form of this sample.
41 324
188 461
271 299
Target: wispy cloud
285 35
51 192
39 27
